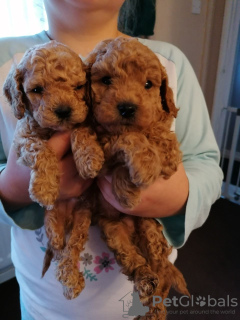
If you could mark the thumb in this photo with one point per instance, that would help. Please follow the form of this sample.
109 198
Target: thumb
60 143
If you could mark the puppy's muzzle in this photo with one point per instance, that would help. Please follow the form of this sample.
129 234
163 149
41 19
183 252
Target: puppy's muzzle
63 112
127 110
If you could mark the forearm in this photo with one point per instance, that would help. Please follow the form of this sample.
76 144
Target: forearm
14 212
13 189
164 198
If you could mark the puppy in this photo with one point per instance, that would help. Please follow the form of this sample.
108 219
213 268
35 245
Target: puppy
47 93
133 110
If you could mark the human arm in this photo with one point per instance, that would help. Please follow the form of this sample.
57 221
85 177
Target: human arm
156 200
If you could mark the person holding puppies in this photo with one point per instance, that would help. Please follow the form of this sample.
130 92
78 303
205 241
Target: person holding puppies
181 203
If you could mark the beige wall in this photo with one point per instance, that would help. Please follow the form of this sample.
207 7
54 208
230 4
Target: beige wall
197 35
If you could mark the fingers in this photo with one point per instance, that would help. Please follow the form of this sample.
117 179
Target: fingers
81 186
105 186
14 182
60 143
108 178
73 188
71 184
67 166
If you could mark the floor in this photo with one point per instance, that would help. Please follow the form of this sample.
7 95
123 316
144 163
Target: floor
210 262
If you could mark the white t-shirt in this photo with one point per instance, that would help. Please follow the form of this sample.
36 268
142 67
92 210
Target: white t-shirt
43 298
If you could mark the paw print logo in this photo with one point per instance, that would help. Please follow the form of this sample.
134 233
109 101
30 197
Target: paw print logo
201 301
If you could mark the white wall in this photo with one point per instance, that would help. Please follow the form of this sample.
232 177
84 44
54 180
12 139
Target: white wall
197 35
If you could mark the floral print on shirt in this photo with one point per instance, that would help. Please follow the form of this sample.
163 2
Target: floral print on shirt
103 263
87 259
93 266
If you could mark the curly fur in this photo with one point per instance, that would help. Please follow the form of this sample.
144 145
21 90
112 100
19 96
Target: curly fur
133 109
47 92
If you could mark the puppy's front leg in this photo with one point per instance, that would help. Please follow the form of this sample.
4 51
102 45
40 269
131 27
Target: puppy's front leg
44 181
139 167
87 152
127 194
139 156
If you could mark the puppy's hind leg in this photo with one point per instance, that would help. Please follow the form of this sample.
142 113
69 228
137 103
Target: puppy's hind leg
67 270
55 221
152 242
118 236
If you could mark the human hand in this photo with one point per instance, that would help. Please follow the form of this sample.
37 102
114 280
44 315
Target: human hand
162 198
14 180
71 184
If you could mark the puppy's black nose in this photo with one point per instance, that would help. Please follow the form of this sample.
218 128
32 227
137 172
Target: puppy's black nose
63 112
127 110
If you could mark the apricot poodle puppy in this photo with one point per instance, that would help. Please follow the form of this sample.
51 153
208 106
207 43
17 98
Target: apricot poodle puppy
47 92
133 110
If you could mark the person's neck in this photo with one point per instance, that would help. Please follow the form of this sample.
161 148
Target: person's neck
84 33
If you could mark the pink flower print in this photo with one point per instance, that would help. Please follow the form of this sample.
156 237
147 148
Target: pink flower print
103 262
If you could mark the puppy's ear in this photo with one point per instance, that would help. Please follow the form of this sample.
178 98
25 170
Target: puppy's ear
87 95
166 94
13 90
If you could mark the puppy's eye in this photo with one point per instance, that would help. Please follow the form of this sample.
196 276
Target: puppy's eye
148 84
106 80
78 87
38 90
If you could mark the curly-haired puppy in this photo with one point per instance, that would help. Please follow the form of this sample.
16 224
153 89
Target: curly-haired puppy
47 92
133 109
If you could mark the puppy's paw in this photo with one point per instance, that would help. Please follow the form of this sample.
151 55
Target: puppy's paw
126 193
143 177
144 170
70 277
87 153
145 281
128 199
90 164
154 313
72 292
43 189
139 156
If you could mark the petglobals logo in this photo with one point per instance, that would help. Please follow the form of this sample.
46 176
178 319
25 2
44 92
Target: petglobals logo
198 305
185 301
